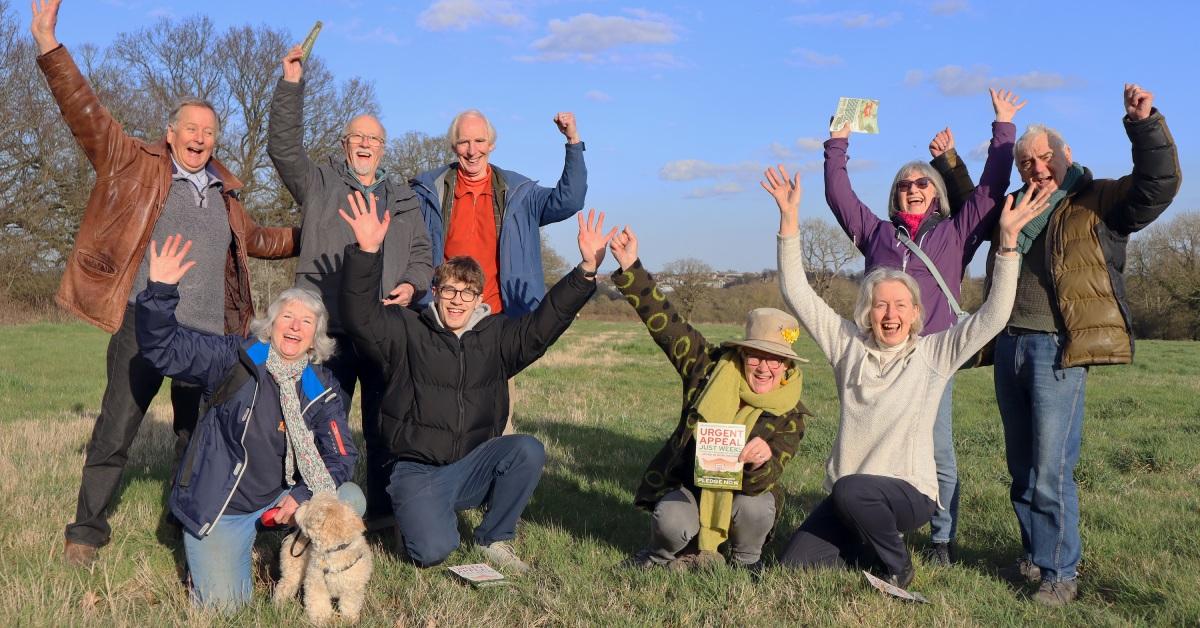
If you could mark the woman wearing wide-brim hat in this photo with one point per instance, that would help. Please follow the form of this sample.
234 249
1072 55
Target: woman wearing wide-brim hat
754 382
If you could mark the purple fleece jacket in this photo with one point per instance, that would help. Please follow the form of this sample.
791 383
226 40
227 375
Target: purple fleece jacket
949 242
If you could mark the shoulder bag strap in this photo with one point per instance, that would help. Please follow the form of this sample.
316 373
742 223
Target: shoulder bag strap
937 276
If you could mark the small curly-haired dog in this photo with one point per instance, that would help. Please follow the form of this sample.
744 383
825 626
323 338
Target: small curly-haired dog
331 556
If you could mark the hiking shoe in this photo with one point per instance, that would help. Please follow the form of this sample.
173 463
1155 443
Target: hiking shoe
942 554
504 556
697 561
1022 570
902 579
1058 593
641 559
80 554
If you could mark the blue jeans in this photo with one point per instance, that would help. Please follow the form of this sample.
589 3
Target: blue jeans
503 472
220 562
1041 406
943 528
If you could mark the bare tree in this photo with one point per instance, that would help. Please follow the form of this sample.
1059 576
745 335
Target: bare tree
414 152
690 281
1163 269
553 264
827 252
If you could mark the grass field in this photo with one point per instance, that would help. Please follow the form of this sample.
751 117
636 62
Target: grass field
602 401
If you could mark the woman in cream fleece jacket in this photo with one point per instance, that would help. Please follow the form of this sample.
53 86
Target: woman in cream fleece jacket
880 473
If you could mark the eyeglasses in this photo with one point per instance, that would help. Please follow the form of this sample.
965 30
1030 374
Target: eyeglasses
365 140
449 292
922 183
754 360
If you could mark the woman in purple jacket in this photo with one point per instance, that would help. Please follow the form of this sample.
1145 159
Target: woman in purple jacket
919 219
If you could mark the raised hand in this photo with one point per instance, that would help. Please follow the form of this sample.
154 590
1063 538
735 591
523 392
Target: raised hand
293 69
942 142
565 120
169 267
787 195
843 132
592 240
45 20
1014 218
1138 102
624 248
1006 105
364 221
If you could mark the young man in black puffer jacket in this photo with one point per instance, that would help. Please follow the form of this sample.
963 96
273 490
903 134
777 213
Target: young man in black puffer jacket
446 403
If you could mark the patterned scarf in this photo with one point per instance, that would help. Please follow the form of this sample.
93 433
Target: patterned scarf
301 446
1034 228
728 398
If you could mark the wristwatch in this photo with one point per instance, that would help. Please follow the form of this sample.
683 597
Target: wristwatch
1008 249
587 274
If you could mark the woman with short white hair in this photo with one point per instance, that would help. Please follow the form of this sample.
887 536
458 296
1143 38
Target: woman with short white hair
275 431
880 472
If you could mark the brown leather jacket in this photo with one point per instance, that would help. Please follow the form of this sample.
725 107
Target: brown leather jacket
1086 240
132 181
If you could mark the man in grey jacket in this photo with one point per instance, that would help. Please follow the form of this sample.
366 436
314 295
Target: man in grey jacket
320 189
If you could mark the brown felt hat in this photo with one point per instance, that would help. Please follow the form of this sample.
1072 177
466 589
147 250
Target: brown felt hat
771 331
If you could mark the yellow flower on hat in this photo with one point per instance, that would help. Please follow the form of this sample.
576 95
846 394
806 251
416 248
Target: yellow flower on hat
790 334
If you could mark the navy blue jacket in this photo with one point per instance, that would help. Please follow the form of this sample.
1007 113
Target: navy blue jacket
229 369
527 207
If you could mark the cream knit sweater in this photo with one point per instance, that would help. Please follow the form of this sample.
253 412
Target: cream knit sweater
888 411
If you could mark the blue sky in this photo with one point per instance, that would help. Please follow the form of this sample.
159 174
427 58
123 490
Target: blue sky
682 104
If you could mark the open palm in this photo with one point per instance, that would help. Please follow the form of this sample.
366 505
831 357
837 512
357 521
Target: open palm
364 220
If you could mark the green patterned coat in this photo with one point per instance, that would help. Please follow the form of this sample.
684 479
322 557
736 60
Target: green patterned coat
694 358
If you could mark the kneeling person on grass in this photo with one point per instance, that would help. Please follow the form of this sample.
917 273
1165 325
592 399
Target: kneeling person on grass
446 404
753 382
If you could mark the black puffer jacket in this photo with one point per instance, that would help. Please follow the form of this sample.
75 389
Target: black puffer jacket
446 394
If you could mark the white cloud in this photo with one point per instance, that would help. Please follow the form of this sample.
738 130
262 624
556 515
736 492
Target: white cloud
954 80
463 14
720 189
979 153
847 19
594 38
813 59
779 151
810 144
596 95
859 165
692 169
949 7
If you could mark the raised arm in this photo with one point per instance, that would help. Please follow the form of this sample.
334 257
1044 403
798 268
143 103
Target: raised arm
832 333
1145 194
950 348
567 196
180 353
525 339
99 135
684 345
854 217
954 172
976 220
373 327
285 130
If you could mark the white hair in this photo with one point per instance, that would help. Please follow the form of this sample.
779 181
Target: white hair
1053 137
866 298
452 133
323 346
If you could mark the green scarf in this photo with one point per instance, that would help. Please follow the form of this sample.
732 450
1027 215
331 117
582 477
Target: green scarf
1034 228
728 398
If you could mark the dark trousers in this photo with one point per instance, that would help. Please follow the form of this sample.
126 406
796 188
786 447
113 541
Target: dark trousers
861 522
348 367
132 384
502 473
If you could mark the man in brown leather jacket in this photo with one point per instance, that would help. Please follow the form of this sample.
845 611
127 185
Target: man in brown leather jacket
143 193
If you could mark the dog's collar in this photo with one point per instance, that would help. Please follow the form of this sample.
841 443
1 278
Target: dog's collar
327 570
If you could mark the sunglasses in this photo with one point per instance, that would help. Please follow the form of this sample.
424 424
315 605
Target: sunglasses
921 184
